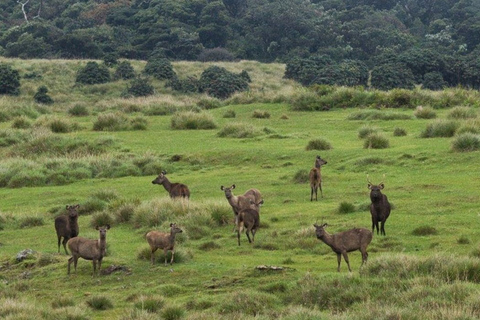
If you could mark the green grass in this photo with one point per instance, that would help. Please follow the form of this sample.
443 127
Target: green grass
426 267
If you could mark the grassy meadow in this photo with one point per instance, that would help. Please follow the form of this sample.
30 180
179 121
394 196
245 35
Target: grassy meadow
426 267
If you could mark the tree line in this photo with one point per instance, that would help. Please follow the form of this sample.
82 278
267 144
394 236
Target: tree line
394 43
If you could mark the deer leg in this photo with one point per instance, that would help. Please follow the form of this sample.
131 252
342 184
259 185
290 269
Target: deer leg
311 193
100 265
75 260
64 242
69 262
248 236
339 260
364 256
345 256
94 262
165 252
383 228
253 234
59 238
173 255
320 186
152 256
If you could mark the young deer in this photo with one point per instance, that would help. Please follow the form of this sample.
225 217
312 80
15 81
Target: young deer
380 207
246 201
163 240
346 241
66 226
249 219
176 190
89 249
315 177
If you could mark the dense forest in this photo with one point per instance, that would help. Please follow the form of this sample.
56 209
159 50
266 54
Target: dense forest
395 43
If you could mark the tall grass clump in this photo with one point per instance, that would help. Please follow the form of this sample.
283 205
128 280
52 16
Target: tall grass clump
376 141
99 303
399 132
259 114
318 144
470 126
229 114
152 304
462 113
466 142
440 128
112 121
366 130
239 130
56 124
21 122
248 302
189 120
78 110
424 113
158 211
346 207
377 115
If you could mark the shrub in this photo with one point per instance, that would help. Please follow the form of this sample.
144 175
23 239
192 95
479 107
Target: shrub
173 312
99 303
56 124
365 131
215 54
139 87
239 130
462 113
41 96
399 132
91 205
93 73
78 110
318 144
28 222
124 71
10 80
440 128
466 142
375 141
261 114
229 114
220 83
433 81
160 69
424 113
101 219
191 120
248 302
209 103
189 85
110 59
392 75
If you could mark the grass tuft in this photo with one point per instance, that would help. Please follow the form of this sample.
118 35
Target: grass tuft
318 144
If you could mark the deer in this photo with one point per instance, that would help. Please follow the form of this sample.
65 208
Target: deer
249 219
315 177
238 203
380 207
66 226
346 241
176 190
89 249
163 240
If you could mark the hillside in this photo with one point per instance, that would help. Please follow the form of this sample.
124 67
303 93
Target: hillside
93 148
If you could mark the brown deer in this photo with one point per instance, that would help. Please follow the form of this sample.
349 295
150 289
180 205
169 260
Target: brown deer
246 201
315 177
346 241
89 249
249 219
380 207
176 190
66 226
163 240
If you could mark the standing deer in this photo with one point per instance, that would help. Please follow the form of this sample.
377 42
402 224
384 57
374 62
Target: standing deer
175 190
246 201
89 249
162 240
315 177
66 226
380 207
346 241
250 220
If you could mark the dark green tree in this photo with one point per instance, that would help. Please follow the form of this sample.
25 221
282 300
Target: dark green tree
220 83
124 71
160 69
393 75
9 80
93 73
41 96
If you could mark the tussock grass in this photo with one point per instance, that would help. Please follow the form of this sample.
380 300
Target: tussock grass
466 142
239 130
318 144
440 128
100 303
399 132
376 141
366 130
425 113
377 115
462 113
189 120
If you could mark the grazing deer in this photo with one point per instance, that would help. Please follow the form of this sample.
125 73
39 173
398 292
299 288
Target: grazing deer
346 241
315 177
246 201
66 226
249 219
162 240
380 207
176 190
89 249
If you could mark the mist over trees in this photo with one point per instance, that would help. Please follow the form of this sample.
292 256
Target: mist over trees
431 42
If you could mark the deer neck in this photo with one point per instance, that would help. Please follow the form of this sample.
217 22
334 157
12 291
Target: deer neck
172 237
327 238
166 184
102 245
233 200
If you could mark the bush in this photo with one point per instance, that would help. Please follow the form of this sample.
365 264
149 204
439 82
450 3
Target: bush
10 80
365 131
28 222
434 81
101 219
260 114
440 128
160 69
220 83
110 59
346 207
124 71
239 130
375 141
139 87
41 96
215 54
424 113
399 132
93 73
173 312
229 114
191 120
318 144
56 124
392 75
189 85
112 121
466 142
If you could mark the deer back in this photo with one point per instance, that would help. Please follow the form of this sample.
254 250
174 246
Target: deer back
86 248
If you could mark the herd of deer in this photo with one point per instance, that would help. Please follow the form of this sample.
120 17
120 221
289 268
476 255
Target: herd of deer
246 210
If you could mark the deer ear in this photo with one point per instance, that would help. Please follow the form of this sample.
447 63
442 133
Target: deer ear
369 186
96 228
77 206
172 224
221 188
107 227
381 185
67 206
233 186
